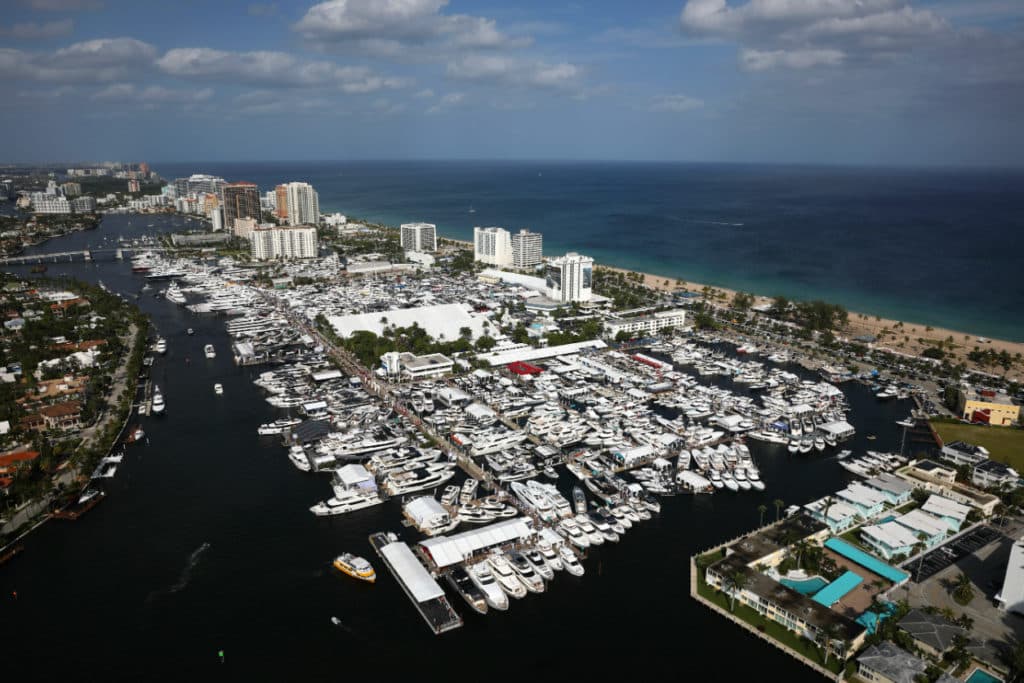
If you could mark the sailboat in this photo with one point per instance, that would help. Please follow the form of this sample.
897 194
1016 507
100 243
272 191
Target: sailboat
471 209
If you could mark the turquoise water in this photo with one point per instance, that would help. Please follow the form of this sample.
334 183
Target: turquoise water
806 586
979 676
938 247
887 518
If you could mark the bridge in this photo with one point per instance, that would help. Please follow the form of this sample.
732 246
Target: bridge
86 254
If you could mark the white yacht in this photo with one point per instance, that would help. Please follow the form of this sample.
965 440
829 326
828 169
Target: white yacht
526 572
352 500
572 565
160 346
506 576
158 404
210 351
551 557
218 388
468 491
483 578
297 455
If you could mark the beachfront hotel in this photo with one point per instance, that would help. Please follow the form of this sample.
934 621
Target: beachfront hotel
570 278
492 246
527 249
419 237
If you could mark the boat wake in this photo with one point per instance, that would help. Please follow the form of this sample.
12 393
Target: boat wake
184 577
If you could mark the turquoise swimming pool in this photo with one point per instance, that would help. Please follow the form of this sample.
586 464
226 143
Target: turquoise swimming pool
979 676
805 586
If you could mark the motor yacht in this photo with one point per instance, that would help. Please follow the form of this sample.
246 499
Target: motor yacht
481 575
460 580
569 560
526 571
218 388
158 404
539 564
506 576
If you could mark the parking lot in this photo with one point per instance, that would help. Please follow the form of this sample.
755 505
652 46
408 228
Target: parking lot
943 556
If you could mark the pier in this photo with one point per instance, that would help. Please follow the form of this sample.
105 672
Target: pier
424 592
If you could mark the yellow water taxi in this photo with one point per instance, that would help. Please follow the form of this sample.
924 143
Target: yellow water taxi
356 567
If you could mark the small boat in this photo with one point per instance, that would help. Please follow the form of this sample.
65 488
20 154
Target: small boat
356 567
218 388
209 351
160 346
190 331
158 400
336 621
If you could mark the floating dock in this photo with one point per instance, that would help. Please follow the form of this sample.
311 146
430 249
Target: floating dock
425 593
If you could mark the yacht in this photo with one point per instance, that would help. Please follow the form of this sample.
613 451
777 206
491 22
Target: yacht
551 557
339 505
277 426
506 576
218 388
190 331
481 575
572 533
417 480
540 566
158 401
160 346
819 443
572 565
297 455
209 351
474 596
450 497
526 571
356 567
468 491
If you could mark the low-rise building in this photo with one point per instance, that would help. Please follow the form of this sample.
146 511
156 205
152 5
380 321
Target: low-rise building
416 367
62 416
929 528
962 453
889 539
930 632
989 407
646 324
897 491
888 663
954 514
868 502
989 474
840 516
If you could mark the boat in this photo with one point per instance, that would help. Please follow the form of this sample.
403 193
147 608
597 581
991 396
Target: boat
190 331
218 388
460 580
569 561
209 351
336 621
506 576
356 567
540 565
158 404
468 490
160 346
551 557
579 500
525 571
297 455
450 496
352 501
481 575
136 434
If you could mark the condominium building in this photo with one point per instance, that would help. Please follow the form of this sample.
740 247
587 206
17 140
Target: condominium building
302 204
243 227
241 200
527 249
83 205
293 242
133 185
492 246
419 236
71 189
217 219
646 324
570 278
50 204
281 201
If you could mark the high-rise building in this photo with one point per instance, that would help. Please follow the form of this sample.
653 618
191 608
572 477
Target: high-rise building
217 219
71 189
527 249
83 204
49 203
241 200
281 199
570 277
419 236
133 185
492 246
144 169
243 227
283 242
303 204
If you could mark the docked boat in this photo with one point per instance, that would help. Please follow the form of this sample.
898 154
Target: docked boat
218 388
297 455
526 571
468 491
506 576
158 404
460 580
571 563
482 576
209 351
356 567
160 346
352 501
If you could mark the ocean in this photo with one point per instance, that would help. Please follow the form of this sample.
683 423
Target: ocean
205 544
939 247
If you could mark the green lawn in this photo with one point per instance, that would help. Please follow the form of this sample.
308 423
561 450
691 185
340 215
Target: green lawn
1006 444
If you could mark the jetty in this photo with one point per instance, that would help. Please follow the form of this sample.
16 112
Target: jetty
426 595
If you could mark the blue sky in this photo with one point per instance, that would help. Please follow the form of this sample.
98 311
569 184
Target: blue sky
824 81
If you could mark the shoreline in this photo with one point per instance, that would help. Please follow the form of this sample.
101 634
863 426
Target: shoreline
894 336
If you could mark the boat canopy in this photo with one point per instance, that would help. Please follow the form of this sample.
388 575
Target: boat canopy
448 550
417 580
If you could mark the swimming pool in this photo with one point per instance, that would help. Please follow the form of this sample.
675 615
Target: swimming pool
979 676
805 586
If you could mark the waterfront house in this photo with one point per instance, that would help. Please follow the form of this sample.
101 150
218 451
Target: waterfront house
889 539
921 523
841 516
896 491
62 416
989 473
962 453
932 633
868 502
949 511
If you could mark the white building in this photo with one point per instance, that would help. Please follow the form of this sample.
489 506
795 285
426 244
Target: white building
303 204
336 220
295 242
492 246
527 249
419 236
646 324
51 204
217 219
1011 596
268 202
83 204
415 367
570 278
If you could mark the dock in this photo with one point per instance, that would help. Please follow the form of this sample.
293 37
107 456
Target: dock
424 592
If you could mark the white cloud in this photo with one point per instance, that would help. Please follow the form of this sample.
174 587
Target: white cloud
426 93
270 68
127 93
63 5
390 27
675 103
504 70
447 101
101 60
34 31
764 60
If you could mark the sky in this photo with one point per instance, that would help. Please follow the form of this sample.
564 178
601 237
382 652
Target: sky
906 82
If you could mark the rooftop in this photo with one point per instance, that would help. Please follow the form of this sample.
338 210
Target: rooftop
894 663
931 629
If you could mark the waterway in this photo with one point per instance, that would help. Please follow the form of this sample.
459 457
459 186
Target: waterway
205 544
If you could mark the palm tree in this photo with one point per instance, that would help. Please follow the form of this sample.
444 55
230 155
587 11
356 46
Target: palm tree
761 509
829 633
963 590
732 585
778 503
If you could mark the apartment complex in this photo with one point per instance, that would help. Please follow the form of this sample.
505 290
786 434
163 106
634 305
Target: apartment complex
241 200
570 278
492 246
302 204
293 242
527 249
419 236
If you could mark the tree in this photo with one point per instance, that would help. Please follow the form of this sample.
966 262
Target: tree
1014 660
733 584
485 343
778 503
465 332
761 509
831 633
963 589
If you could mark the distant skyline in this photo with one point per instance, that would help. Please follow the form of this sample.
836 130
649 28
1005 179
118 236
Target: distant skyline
886 82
